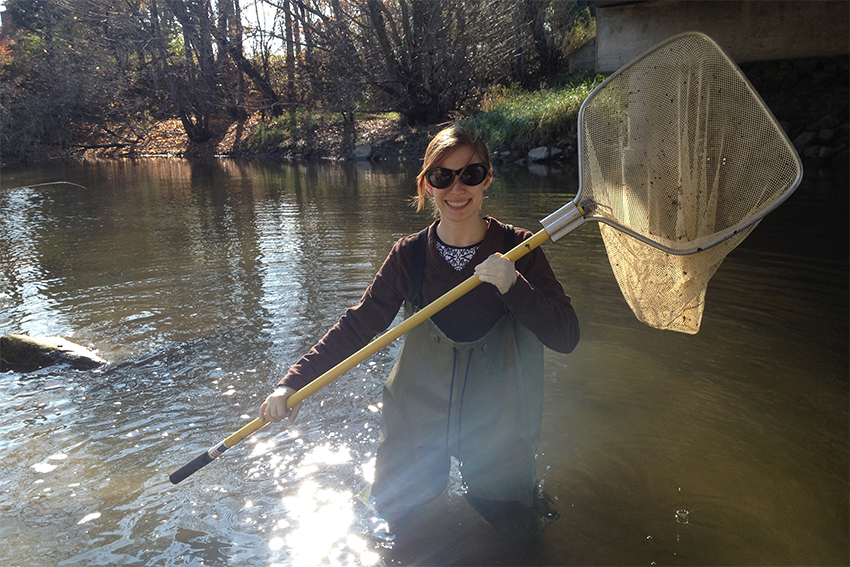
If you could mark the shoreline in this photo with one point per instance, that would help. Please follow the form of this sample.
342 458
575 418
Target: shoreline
822 144
336 140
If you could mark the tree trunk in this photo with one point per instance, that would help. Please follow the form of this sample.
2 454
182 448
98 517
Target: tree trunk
545 52
240 75
290 62
270 97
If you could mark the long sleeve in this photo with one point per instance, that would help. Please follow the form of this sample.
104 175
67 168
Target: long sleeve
538 301
361 323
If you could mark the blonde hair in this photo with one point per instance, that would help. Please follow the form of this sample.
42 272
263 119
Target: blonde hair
445 142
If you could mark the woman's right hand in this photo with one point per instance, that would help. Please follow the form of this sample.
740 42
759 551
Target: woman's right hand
274 408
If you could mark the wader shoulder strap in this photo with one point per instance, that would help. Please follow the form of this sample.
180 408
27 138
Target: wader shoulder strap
417 267
510 238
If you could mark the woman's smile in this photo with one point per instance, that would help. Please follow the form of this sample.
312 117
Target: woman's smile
458 204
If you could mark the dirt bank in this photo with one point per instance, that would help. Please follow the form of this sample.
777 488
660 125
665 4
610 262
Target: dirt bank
387 138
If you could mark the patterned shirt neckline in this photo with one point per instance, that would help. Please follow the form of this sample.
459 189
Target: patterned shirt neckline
457 256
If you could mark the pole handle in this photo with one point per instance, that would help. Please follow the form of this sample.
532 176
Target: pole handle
216 451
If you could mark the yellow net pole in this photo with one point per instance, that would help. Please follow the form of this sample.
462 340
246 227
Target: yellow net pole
385 339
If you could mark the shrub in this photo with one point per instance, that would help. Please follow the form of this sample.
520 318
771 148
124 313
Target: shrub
515 119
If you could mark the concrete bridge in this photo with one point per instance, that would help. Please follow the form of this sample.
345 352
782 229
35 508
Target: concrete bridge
749 30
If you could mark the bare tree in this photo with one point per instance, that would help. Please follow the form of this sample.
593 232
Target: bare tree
230 26
428 58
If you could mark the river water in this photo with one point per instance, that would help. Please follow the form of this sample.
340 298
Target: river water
200 281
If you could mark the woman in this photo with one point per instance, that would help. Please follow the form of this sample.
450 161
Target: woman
469 381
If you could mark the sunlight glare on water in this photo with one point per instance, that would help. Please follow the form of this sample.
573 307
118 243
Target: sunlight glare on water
318 519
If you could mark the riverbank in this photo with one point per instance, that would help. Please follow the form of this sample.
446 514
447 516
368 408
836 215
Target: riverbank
386 139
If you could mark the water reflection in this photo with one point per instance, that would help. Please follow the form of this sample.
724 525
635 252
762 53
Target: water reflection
22 287
201 281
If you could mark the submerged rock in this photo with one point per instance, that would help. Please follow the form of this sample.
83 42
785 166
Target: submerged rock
542 153
24 354
362 153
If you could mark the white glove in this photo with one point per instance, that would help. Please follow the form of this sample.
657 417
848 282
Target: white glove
497 270
274 408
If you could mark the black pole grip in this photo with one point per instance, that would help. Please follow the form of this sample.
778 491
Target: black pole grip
196 464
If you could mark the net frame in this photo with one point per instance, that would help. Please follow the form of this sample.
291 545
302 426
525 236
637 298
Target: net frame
595 201
679 159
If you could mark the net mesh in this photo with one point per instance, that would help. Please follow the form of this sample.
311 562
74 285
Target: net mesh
679 149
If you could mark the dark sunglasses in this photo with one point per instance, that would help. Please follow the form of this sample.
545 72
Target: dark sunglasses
443 177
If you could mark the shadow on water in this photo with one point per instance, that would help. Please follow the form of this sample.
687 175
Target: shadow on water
202 281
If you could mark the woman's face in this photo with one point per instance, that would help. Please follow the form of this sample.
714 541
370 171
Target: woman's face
459 202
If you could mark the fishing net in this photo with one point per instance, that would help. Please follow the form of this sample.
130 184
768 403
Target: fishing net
680 158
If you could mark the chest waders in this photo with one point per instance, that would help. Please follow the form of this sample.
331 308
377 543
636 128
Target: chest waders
480 402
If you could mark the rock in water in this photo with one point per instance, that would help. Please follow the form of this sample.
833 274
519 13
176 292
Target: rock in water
24 354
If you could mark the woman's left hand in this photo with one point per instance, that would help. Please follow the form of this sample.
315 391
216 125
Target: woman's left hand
497 270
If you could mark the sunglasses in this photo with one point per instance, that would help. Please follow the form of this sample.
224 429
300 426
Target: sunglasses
443 177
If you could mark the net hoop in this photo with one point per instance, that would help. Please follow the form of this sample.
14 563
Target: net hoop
792 166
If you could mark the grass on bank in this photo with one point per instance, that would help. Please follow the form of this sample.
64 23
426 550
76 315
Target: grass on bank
514 119
284 132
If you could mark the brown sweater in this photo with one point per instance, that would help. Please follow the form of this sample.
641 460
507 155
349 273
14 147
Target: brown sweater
537 301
